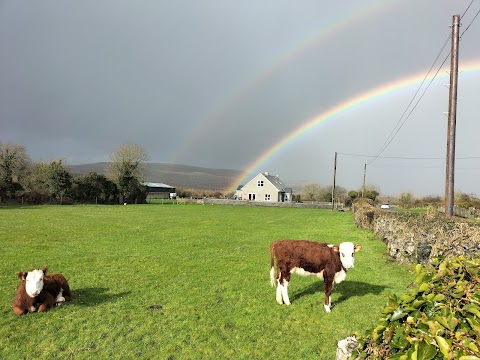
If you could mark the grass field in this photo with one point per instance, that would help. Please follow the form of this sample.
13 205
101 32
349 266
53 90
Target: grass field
183 282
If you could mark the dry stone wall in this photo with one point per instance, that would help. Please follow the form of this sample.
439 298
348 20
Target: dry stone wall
311 205
417 238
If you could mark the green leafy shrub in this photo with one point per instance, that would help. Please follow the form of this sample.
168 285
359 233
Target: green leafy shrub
438 319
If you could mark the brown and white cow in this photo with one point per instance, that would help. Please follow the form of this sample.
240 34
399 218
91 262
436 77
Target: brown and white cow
303 257
39 291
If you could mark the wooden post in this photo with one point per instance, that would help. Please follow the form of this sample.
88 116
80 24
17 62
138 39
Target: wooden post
364 175
452 119
334 178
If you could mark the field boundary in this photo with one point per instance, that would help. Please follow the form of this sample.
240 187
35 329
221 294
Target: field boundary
310 205
418 238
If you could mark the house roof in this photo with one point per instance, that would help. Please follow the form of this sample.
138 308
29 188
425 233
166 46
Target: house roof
275 180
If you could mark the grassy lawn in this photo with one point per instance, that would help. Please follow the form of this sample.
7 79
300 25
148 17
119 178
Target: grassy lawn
183 282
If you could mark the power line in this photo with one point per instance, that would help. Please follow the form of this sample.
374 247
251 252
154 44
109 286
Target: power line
395 130
421 167
391 137
407 157
471 22
468 7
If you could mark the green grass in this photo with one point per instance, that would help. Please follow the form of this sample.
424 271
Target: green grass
183 282
162 201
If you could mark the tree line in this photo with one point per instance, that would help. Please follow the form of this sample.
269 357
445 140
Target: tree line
22 180
316 192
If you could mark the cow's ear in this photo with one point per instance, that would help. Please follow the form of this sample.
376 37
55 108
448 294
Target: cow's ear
336 248
45 267
358 248
22 275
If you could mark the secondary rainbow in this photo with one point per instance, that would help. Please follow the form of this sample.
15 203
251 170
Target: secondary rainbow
342 107
252 83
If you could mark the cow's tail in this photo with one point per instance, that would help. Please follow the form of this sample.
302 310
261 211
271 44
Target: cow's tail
272 265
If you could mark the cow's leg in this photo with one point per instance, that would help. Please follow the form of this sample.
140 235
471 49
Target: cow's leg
47 303
328 292
282 287
43 308
60 299
279 292
286 300
19 311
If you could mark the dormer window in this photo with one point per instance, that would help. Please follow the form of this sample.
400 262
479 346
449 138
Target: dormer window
260 183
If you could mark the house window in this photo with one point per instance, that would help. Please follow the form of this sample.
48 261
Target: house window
267 197
260 183
251 197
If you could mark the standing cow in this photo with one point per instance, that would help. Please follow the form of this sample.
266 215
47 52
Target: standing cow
303 257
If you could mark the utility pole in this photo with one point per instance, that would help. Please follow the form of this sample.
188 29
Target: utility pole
452 119
364 174
334 178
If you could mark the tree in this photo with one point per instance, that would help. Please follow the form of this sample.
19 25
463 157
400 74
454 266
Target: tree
352 194
127 169
371 192
60 179
311 192
52 179
14 164
93 187
406 199
326 193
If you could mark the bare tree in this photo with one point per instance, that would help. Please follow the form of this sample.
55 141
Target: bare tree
311 192
340 193
127 169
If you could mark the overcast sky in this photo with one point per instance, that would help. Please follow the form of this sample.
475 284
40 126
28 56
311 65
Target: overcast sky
219 84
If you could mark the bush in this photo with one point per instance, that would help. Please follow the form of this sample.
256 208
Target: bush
438 319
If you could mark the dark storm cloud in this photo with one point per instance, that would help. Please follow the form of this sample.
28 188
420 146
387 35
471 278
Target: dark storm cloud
216 84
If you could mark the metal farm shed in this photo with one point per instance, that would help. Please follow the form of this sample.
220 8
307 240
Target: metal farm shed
159 190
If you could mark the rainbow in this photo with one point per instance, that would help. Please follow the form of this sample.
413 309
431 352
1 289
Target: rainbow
328 30
349 104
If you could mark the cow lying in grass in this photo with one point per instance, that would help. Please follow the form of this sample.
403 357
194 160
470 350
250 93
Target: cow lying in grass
303 257
37 291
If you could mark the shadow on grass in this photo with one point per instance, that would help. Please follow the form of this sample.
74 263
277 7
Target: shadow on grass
346 289
95 296
19 206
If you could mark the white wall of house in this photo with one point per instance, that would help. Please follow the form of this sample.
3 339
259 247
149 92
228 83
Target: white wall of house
261 189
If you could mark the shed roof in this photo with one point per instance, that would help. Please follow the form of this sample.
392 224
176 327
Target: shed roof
158 185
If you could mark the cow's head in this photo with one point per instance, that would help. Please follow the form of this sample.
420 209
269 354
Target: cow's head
33 281
347 251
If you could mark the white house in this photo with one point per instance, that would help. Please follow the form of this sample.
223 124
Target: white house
265 187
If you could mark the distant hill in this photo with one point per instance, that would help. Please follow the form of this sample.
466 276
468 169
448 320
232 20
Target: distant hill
175 175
